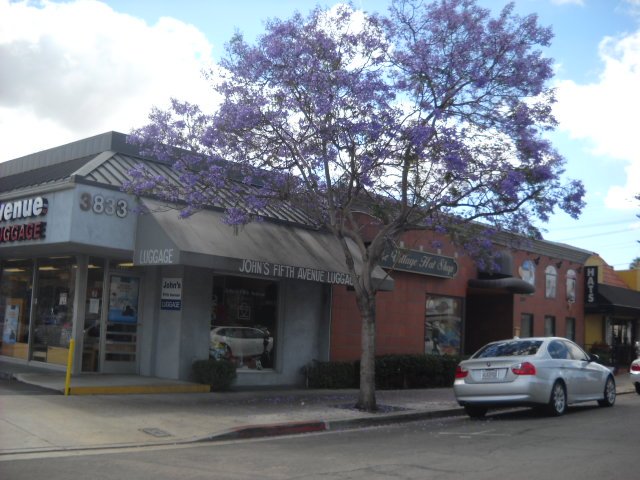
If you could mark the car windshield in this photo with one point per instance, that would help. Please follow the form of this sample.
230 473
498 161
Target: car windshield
509 349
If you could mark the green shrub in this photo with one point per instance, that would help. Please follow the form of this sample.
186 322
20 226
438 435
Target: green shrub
331 375
415 371
392 372
220 374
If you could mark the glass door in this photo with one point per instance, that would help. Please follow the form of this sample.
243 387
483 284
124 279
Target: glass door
93 316
121 329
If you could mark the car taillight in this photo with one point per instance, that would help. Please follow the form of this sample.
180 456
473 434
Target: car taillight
461 372
524 368
635 367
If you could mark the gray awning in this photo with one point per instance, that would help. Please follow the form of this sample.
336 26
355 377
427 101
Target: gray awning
265 248
615 300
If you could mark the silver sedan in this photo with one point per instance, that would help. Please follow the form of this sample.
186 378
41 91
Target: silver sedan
551 372
634 374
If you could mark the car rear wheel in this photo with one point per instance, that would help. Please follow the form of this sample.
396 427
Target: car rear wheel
558 401
609 394
474 411
637 388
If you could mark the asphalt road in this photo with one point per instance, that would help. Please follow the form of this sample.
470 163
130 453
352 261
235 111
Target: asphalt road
587 443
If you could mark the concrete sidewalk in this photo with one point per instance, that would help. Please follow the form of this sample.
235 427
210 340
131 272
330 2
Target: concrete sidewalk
53 422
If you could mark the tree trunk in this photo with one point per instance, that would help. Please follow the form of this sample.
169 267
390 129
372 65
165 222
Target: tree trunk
367 397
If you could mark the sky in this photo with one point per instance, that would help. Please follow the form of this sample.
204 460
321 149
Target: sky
76 68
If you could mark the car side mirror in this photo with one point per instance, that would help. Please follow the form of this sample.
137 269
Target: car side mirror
594 358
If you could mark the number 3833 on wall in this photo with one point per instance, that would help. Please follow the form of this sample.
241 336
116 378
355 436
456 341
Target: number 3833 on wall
104 205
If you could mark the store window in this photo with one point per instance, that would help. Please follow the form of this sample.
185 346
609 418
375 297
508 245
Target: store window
443 323
527 272
570 325
16 282
549 326
526 325
551 282
571 286
244 321
53 320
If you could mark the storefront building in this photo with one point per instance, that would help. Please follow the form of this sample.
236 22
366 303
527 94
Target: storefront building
149 294
452 307
612 312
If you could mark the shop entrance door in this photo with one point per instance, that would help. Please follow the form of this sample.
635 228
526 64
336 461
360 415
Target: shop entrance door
121 329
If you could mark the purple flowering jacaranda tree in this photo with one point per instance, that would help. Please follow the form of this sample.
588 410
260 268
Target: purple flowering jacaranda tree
432 116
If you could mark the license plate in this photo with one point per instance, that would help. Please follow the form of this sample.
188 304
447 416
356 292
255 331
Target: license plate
491 374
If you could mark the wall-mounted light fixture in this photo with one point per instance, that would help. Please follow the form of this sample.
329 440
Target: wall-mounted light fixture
536 260
559 264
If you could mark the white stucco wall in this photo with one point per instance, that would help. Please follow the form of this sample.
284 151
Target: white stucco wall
181 337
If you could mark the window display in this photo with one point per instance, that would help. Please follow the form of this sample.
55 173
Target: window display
53 319
16 281
551 281
571 286
549 326
243 321
526 325
443 323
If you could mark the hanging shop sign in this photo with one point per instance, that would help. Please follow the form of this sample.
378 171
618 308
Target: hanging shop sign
422 263
171 294
590 284
23 209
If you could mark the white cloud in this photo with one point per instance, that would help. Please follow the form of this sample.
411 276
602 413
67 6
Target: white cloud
605 113
70 70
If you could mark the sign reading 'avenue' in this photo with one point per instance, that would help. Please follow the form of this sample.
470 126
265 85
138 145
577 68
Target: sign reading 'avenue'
419 262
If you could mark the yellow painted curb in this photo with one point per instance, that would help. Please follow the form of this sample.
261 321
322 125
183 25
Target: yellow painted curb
134 389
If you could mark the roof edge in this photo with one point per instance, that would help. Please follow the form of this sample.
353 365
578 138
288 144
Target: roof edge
108 141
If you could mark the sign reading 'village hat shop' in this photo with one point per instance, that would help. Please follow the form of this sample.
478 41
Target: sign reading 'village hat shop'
423 263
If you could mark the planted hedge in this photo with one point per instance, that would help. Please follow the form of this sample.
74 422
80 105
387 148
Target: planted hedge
220 374
392 372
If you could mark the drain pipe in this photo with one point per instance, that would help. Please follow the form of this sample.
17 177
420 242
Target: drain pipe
67 382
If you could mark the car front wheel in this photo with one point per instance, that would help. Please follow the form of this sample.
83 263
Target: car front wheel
609 394
558 401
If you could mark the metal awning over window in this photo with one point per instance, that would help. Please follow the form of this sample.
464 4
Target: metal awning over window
615 300
267 249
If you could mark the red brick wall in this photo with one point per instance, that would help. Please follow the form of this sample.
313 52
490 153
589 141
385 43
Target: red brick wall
401 313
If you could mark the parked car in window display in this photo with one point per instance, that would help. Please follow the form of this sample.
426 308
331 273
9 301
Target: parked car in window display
245 342
548 372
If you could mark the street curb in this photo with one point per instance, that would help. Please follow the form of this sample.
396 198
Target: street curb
269 430
292 428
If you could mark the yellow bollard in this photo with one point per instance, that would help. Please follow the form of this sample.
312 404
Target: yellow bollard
67 382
